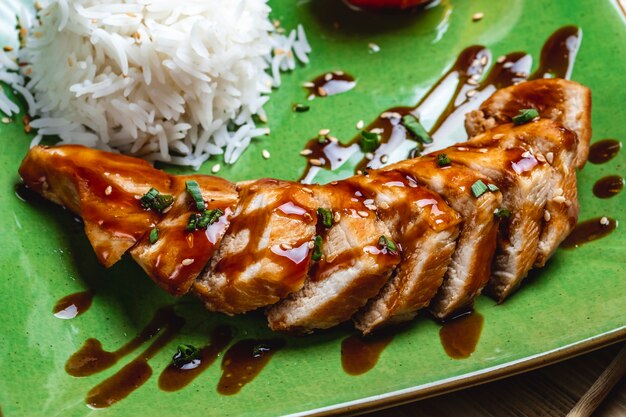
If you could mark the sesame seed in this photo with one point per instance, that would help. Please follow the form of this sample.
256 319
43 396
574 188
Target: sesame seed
507 65
360 124
501 59
541 158
334 183
108 190
471 93
373 47
384 159
187 261
336 217
6 120
371 207
477 16
472 81
333 139
286 246
604 221
359 172
527 154
324 132
521 74
267 131
311 245
315 162
546 215
475 77
216 168
328 76
559 199
498 136
377 130
369 156
308 191
306 152
307 217
308 84
321 92
558 191
265 153
363 213
550 157
483 60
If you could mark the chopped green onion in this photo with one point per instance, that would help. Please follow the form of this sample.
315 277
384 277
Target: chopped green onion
192 222
300 108
153 200
502 213
525 116
493 187
154 235
443 160
369 141
326 216
414 126
208 218
479 188
387 243
185 355
193 188
259 350
317 248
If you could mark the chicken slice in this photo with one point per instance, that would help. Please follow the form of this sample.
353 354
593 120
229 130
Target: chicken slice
470 268
556 145
265 253
355 264
178 255
565 102
525 183
426 228
101 187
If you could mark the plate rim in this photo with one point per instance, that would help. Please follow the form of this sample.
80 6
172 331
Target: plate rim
468 380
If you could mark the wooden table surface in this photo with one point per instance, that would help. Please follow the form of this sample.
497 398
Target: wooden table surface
549 391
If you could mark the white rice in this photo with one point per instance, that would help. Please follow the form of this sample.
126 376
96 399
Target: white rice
173 81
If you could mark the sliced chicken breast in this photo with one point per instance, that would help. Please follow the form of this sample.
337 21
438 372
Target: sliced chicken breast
265 253
565 102
357 257
426 228
525 183
470 268
101 187
178 250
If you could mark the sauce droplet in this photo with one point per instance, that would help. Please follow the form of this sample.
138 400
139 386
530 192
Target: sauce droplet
133 375
73 305
174 379
360 354
588 231
460 336
244 361
608 187
604 150
330 84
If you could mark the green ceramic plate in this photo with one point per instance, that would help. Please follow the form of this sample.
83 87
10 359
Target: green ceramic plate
576 303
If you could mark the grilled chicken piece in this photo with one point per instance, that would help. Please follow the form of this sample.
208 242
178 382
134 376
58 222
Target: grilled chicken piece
178 256
565 102
101 187
265 253
553 143
353 267
525 183
470 267
426 228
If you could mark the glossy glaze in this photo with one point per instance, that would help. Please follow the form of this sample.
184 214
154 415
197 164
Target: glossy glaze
588 231
604 150
609 186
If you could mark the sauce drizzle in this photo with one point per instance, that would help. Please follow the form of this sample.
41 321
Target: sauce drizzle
460 335
608 186
588 231
603 151
73 305
244 361
360 354
173 378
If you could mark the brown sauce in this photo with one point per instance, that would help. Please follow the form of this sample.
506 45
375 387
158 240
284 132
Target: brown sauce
460 335
91 358
73 305
173 378
588 231
608 186
461 89
134 374
330 84
244 361
360 354
604 150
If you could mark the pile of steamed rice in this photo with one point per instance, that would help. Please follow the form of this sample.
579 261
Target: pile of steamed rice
173 81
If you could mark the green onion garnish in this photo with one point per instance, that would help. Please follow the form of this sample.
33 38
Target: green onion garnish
317 248
525 116
185 355
153 200
193 188
443 160
300 108
388 244
326 216
369 141
154 235
414 126
479 188
493 187
502 213
208 218
192 222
